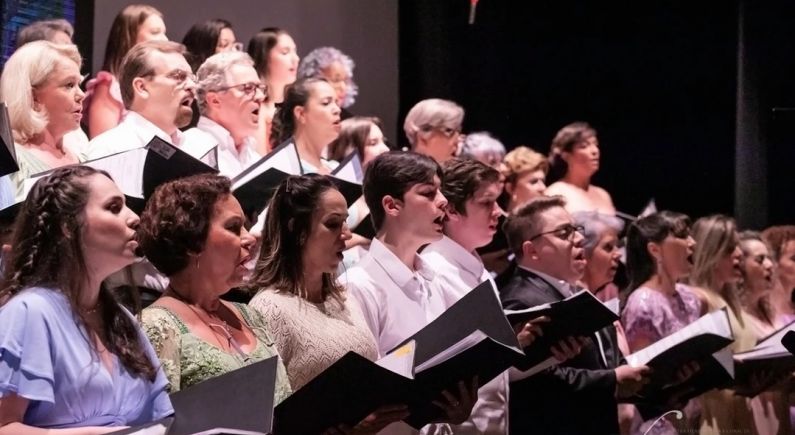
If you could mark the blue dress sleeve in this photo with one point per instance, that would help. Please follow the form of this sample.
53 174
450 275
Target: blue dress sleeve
26 358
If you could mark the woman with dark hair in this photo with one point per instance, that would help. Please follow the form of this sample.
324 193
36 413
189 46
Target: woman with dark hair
72 357
316 321
276 60
574 159
208 38
193 231
103 104
659 255
360 134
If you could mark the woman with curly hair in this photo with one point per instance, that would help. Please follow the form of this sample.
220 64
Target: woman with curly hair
193 231
337 68
72 360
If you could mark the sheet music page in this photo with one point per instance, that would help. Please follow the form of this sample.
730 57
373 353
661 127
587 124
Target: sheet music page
401 360
726 360
350 170
126 169
517 375
716 322
769 347
614 305
462 345
284 159
157 429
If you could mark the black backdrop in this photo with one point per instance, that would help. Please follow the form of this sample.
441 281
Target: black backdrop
658 81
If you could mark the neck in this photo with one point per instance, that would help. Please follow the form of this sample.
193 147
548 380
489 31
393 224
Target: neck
578 179
461 238
155 118
194 289
308 150
238 137
89 296
662 283
275 91
401 244
48 139
591 283
313 283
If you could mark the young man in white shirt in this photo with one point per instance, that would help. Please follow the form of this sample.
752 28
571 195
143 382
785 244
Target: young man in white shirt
230 95
395 287
158 88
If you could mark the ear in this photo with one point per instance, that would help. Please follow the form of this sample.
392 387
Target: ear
213 100
452 213
654 250
565 155
298 113
140 88
508 188
391 205
529 250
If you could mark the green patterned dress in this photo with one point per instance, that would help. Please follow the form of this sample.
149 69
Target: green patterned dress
188 359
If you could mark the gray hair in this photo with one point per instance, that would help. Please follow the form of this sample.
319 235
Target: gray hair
429 114
313 64
43 30
594 226
481 143
211 75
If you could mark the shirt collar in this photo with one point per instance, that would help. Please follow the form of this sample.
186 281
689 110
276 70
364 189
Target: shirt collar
222 135
456 253
396 270
145 127
560 285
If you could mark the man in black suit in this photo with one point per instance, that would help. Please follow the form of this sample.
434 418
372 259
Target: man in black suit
580 395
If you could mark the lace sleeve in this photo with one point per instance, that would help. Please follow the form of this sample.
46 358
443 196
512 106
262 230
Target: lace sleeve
164 334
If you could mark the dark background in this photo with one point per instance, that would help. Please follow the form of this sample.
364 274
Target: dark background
659 82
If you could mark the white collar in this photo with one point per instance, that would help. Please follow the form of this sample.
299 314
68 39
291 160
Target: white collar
454 252
399 273
145 127
224 137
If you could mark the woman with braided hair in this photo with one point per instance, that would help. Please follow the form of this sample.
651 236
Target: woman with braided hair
72 360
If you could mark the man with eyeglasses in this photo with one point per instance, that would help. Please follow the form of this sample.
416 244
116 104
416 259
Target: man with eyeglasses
158 88
580 395
230 95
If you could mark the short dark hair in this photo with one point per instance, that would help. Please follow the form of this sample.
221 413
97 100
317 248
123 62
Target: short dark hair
176 220
462 178
652 228
260 46
394 173
564 141
523 223
295 94
43 30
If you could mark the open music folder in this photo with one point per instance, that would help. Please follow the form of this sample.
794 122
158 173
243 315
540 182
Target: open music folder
255 185
138 172
348 177
472 338
580 314
705 342
767 357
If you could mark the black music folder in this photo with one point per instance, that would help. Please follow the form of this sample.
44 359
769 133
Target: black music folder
8 154
240 400
705 342
788 341
255 185
472 338
580 314
138 172
769 356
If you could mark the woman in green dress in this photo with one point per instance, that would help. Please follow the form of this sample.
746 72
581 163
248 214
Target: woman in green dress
193 231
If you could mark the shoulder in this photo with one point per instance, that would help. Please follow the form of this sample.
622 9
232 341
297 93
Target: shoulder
38 303
156 318
269 299
558 188
643 302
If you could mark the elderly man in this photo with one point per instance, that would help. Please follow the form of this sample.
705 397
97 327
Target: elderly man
157 87
230 95
580 395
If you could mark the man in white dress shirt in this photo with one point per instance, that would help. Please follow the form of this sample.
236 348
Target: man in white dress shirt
230 95
157 88
395 287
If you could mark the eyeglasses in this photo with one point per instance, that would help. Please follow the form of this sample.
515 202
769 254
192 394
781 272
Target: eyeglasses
179 76
446 131
247 88
565 232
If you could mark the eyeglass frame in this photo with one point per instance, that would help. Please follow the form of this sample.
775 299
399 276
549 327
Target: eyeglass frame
445 131
571 228
261 86
172 75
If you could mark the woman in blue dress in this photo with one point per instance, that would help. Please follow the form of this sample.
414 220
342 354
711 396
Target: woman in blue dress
71 358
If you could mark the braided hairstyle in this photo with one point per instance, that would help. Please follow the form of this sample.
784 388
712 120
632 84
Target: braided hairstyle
296 94
48 252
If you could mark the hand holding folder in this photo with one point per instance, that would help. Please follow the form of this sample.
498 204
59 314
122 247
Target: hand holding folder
769 362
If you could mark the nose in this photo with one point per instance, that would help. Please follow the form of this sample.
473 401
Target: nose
441 200
259 95
133 220
246 239
498 211
346 233
578 239
161 37
79 95
691 242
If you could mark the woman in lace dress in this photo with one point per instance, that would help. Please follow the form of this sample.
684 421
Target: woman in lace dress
314 321
193 231
659 254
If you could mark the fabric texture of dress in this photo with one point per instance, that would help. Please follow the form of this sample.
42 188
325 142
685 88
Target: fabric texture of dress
649 316
188 359
45 357
312 336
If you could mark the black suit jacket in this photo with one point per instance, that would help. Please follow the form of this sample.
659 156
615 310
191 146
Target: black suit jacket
573 398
